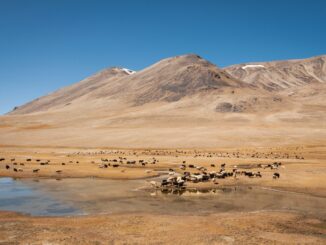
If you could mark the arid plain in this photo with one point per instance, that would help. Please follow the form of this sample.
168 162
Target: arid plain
264 121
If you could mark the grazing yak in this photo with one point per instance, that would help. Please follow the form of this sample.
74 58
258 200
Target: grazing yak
164 182
252 174
131 162
276 175
103 165
258 174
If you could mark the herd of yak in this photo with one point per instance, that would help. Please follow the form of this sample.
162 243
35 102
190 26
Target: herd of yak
176 179
195 154
202 175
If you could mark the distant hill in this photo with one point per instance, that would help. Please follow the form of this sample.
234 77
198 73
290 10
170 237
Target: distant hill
183 101
280 75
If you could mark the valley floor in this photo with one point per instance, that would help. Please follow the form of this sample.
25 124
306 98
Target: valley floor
303 169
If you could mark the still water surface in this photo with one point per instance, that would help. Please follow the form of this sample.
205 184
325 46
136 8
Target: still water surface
52 197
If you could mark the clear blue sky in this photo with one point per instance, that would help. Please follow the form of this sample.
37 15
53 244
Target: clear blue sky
47 44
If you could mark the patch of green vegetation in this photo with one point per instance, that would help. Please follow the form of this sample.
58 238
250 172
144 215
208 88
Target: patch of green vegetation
321 225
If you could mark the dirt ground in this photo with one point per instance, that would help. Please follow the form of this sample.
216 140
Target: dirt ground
224 228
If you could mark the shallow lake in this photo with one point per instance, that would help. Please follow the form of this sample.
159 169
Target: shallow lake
52 197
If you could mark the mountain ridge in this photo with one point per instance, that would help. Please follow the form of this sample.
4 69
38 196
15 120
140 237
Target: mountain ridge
169 80
278 75
182 101
175 78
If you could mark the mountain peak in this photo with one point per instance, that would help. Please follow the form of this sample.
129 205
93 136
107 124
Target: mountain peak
187 59
188 56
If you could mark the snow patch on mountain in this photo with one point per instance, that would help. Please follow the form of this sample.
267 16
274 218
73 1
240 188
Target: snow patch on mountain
253 66
128 71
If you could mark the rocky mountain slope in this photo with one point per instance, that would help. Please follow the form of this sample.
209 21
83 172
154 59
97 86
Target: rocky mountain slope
168 80
279 75
183 101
